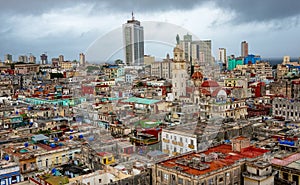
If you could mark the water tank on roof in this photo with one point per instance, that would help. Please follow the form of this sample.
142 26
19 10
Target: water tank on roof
6 157
52 145
26 144
53 170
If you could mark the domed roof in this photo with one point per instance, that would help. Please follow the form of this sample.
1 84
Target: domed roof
210 83
205 92
197 75
217 91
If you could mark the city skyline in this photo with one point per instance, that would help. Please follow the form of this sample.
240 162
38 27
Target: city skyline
69 28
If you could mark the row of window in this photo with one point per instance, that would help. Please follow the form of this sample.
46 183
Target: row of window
64 159
178 138
285 106
286 113
171 178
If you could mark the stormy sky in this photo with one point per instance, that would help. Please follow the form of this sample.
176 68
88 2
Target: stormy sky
271 27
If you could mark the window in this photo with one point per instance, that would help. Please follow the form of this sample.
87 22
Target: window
285 176
14 179
221 179
165 177
210 181
187 182
100 180
227 174
180 180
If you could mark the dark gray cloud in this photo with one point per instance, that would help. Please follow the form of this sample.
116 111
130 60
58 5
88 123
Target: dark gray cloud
246 10
31 6
261 10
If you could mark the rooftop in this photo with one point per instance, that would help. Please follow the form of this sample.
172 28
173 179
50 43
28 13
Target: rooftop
287 160
141 101
213 159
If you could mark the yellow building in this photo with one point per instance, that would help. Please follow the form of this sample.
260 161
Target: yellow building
67 65
106 158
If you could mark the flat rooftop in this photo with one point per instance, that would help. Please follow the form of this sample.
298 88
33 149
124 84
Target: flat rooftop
287 160
213 159
144 101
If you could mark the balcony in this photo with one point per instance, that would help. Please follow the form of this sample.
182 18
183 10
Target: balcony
174 142
175 153
191 146
166 140
165 151
180 143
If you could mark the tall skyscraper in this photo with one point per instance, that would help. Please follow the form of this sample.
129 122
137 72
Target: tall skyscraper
186 45
222 57
81 59
133 39
244 49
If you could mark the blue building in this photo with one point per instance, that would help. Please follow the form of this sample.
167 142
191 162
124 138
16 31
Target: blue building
251 59
9 173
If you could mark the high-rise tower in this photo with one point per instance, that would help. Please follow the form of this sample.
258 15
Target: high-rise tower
81 59
244 49
133 39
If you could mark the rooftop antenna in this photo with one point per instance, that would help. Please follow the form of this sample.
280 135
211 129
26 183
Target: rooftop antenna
132 16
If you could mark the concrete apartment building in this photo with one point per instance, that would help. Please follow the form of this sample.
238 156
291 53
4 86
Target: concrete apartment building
288 109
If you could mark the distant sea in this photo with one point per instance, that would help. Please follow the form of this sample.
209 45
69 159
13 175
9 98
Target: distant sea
275 61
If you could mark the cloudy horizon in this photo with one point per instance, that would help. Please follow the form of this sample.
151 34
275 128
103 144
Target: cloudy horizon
65 27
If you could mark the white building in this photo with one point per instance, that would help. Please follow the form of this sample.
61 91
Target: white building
178 141
133 39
